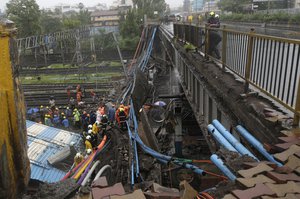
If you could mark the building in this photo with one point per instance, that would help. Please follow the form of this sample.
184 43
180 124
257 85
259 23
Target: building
197 5
186 6
67 8
211 6
106 19
297 3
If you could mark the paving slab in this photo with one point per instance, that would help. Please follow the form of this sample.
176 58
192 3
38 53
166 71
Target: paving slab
282 178
283 189
257 191
289 139
248 173
288 196
283 156
284 146
229 196
137 194
250 182
292 132
293 162
248 165
284 170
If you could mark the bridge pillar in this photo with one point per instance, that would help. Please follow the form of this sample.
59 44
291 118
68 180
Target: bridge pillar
178 128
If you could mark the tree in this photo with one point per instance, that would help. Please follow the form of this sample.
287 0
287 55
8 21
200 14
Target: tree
149 6
84 16
235 6
50 22
26 15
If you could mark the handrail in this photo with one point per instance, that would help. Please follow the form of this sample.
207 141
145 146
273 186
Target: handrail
268 63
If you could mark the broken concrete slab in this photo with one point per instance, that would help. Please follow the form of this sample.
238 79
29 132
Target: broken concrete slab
137 194
257 191
290 139
188 190
283 156
282 178
283 189
260 168
288 196
293 162
250 182
229 196
292 132
249 165
116 189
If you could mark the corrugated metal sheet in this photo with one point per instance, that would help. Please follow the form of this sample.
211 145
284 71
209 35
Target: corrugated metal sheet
43 142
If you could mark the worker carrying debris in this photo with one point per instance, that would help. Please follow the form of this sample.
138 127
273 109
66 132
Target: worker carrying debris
78 159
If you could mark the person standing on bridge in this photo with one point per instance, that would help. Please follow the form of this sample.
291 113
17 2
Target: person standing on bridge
214 37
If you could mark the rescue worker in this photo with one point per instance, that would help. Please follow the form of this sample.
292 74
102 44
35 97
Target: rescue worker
103 124
95 127
72 103
88 142
42 114
88 152
65 122
78 159
121 118
111 114
214 37
76 115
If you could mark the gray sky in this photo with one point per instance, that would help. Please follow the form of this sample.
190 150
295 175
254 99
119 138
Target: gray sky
51 3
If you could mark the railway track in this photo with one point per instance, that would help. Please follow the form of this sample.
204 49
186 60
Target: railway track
71 70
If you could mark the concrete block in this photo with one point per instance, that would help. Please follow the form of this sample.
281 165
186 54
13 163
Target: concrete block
288 196
249 165
255 170
250 182
283 156
257 191
283 189
229 196
282 178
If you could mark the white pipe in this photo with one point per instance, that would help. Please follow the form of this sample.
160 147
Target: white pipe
102 170
87 177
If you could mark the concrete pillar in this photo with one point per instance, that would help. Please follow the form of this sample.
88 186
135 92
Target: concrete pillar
178 136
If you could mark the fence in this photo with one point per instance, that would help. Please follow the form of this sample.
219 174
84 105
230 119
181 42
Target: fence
271 64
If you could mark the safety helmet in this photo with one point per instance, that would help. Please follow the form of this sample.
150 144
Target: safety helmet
64 117
104 116
90 131
77 155
121 109
47 107
217 16
89 151
212 13
67 107
97 122
88 137
41 106
75 109
90 126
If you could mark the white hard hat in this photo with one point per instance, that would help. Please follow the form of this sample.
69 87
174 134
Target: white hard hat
90 126
217 16
88 137
89 151
90 131
78 155
97 122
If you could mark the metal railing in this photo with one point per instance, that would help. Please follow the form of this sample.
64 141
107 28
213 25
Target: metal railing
270 64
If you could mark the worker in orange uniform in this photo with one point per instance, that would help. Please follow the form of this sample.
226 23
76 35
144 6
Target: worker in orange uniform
78 159
121 118
127 109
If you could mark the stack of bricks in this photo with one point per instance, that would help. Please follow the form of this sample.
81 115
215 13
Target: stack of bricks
266 180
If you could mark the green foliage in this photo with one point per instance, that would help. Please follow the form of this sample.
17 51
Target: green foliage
84 16
279 17
71 23
149 6
129 43
129 27
235 6
50 22
26 15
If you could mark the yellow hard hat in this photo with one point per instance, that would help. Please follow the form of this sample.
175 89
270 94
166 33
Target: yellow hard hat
212 13
121 109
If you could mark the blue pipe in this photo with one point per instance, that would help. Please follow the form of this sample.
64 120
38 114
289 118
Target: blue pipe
220 164
218 136
254 142
232 140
